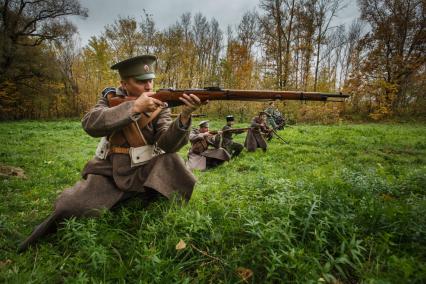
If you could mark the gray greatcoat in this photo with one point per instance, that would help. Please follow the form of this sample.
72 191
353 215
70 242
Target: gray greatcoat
254 138
205 158
105 182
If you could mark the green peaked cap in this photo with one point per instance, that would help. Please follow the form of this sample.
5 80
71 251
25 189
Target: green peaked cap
204 123
139 67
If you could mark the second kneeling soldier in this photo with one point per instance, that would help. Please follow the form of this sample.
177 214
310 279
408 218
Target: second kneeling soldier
255 137
233 148
200 156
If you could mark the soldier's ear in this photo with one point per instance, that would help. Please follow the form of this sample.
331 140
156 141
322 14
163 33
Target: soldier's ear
124 83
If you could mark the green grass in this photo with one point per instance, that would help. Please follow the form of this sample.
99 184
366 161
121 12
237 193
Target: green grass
341 203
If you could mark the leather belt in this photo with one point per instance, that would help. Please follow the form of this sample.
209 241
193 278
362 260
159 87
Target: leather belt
118 150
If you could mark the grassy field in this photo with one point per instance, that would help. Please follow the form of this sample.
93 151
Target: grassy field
339 204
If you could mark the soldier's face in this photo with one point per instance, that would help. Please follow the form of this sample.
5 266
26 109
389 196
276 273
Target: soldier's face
204 129
137 87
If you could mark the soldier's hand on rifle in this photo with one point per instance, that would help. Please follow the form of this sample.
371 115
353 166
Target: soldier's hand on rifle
192 103
144 103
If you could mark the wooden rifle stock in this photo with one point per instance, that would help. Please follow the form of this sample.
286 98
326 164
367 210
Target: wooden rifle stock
232 130
171 96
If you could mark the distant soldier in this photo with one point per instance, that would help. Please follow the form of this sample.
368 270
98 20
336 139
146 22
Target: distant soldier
274 116
200 157
255 137
232 147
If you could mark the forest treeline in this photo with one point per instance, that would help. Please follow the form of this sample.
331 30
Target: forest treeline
379 59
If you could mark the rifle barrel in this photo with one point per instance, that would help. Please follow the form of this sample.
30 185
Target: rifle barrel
193 115
171 96
278 136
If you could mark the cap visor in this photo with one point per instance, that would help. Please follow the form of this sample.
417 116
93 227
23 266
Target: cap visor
145 76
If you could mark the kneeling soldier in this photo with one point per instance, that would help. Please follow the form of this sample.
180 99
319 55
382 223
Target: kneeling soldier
137 154
232 147
254 138
200 157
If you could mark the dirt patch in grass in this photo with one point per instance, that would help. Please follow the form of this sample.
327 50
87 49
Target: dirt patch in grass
9 171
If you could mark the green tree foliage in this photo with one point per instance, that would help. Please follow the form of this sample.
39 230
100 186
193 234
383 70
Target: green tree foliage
26 28
94 70
393 68
284 44
124 38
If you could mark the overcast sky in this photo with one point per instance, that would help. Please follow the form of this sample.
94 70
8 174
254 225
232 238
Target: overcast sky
167 12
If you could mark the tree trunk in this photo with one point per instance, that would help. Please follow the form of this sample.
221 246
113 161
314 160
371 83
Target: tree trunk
279 51
287 52
317 58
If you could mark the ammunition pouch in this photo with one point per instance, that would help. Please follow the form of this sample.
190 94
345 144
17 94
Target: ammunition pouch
199 146
142 155
102 150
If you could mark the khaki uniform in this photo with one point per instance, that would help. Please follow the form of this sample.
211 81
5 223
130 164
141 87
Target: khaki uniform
274 116
271 111
108 181
254 138
202 158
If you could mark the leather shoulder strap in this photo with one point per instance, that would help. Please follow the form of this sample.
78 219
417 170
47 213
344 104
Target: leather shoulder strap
145 120
132 133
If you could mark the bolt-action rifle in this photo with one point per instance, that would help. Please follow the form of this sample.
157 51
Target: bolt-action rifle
276 134
232 130
171 96
193 115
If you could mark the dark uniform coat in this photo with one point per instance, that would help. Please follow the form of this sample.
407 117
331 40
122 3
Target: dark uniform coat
254 138
107 181
233 148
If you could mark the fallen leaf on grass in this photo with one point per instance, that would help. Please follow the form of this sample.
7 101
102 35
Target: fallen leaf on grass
5 262
387 197
180 245
244 273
